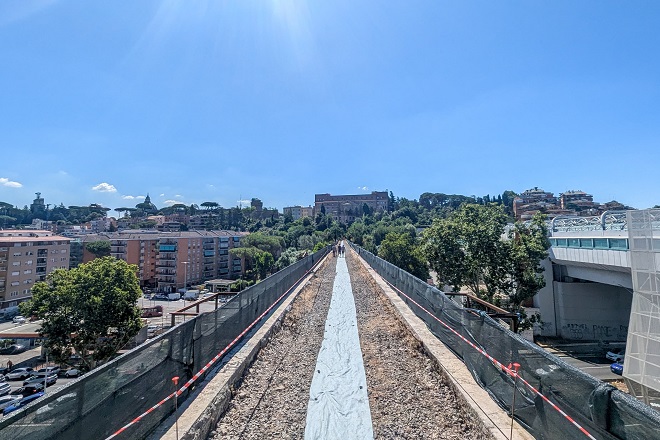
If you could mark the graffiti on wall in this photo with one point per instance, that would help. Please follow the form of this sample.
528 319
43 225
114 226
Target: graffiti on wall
594 332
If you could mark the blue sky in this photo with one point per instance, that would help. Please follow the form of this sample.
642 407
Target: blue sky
211 100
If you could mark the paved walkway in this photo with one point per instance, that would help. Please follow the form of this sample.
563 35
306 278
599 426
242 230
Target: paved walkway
338 404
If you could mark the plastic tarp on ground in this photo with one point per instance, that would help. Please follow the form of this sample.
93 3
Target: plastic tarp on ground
601 409
106 399
338 407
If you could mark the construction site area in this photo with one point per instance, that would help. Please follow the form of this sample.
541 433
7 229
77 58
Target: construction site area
337 348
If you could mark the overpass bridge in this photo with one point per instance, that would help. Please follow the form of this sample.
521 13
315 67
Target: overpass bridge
411 361
603 284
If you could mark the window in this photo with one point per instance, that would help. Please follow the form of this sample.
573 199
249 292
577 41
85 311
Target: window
17 254
15 283
16 272
16 263
587 243
574 242
27 271
28 262
600 243
63 251
14 293
618 243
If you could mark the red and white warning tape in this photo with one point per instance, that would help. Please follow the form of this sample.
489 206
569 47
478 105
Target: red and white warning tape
508 369
212 361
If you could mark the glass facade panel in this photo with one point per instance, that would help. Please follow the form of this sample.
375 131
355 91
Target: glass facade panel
167 247
618 243
562 242
574 242
601 243
587 243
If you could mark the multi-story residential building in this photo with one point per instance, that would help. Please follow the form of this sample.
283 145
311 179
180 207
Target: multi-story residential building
297 212
577 200
172 260
27 256
346 208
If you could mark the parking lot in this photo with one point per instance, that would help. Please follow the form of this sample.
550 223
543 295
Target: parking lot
588 357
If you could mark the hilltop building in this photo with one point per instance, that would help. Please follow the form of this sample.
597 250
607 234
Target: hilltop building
297 212
346 208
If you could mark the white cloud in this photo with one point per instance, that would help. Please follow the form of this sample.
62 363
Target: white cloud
171 202
363 188
105 187
132 197
10 183
162 195
243 202
178 196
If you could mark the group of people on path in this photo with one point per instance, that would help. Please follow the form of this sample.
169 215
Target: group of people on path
339 250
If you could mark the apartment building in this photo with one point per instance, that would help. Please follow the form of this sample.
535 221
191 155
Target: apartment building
27 256
168 261
297 212
346 208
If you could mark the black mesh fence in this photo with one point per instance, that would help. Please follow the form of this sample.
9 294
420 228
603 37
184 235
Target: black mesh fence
601 409
108 398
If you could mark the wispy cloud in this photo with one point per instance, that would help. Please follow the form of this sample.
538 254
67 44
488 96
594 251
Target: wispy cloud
243 202
178 196
10 183
171 202
162 195
363 188
105 187
132 197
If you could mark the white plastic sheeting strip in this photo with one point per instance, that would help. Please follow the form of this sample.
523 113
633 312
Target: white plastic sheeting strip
338 404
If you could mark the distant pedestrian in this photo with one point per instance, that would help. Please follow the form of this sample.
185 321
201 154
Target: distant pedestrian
343 251
9 364
334 251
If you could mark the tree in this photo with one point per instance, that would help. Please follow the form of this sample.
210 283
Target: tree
401 250
467 249
470 248
99 248
90 309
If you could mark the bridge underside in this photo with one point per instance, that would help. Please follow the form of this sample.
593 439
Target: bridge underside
585 302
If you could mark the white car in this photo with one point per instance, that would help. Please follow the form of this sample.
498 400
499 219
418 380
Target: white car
20 373
616 355
19 319
72 372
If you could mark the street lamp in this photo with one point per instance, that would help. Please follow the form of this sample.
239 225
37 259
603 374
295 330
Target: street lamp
185 281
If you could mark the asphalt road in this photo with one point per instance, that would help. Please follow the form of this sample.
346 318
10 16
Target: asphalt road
594 364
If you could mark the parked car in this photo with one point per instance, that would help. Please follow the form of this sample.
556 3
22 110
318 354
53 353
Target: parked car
617 368
160 297
6 401
72 372
49 370
19 319
20 373
14 349
50 379
616 355
21 403
5 388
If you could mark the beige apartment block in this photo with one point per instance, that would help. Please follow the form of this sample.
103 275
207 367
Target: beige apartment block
27 256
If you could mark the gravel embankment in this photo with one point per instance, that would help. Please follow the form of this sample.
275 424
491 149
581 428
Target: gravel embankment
408 396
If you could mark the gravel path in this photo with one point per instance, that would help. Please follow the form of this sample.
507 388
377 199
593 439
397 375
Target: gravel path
407 394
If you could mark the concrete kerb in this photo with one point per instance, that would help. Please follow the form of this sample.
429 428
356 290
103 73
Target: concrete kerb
200 415
475 399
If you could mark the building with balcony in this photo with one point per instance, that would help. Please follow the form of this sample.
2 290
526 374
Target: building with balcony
27 256
346 208
168 261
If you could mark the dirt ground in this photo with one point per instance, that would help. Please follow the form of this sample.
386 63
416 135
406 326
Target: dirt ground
407 393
